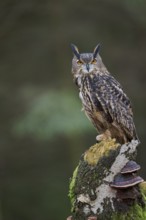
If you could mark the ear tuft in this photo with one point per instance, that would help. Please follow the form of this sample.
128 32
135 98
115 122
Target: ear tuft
75 51
96 51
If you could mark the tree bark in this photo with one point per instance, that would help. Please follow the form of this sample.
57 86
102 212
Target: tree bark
91 194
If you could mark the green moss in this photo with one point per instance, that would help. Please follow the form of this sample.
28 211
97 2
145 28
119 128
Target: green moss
72 186
143 188
99 150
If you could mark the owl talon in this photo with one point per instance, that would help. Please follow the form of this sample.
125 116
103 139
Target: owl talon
100 138
103 137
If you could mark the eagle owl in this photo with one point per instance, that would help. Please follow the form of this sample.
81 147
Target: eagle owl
103 99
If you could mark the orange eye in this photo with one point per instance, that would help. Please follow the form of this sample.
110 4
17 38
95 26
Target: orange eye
94 61
79 62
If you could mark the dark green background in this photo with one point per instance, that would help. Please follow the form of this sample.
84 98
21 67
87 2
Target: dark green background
42 130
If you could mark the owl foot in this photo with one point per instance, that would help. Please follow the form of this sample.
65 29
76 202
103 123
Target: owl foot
99 137
103 137
92 218
69 218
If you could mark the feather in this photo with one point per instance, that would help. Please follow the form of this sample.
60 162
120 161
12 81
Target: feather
107 97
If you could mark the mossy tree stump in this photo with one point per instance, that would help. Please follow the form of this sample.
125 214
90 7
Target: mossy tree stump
90 192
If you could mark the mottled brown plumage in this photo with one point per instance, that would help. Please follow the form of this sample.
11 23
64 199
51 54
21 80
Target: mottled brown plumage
103 99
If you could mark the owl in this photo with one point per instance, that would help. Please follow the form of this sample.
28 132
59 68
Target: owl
103 99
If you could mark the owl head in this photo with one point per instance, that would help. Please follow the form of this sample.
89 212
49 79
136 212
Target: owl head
85 63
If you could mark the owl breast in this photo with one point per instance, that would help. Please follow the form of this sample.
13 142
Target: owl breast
92 107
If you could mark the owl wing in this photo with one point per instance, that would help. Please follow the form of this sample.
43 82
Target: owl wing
114 103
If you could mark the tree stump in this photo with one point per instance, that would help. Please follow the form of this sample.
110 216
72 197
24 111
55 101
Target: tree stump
93 191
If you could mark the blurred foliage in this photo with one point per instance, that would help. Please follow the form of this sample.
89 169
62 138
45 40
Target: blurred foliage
42 130
53 113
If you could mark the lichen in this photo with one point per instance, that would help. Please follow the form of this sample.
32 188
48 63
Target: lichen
71 193
99 150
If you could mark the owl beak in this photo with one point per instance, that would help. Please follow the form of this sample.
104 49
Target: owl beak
87 67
